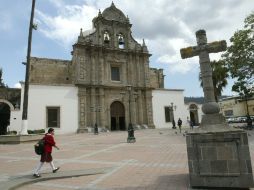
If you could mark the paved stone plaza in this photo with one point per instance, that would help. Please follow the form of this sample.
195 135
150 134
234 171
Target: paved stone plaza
157 161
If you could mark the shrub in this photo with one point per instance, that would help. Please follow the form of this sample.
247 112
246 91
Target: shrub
12 133
37 131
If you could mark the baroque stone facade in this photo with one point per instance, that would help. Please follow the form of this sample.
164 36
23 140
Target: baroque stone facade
111 71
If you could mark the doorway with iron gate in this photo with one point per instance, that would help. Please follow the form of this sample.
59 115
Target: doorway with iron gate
117 115
194 114
4 117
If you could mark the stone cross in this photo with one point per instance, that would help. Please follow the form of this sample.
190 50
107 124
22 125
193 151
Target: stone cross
202 50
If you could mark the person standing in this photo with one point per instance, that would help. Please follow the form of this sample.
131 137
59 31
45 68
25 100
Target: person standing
46 156
191 124
179 123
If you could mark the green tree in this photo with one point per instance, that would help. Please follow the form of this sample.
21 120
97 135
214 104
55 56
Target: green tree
220 75
239 58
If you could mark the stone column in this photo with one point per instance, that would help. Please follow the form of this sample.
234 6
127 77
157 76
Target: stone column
147 71
140 107
107 109
133 109
130 79
82 110
142 67
106 66
101 79
124 71
82 69
93 72
102 108
149 109
138 71
93 102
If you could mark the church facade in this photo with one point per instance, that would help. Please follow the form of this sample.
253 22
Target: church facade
108 81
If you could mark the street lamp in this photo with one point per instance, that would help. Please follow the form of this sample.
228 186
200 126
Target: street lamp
97 109
131 138
173 107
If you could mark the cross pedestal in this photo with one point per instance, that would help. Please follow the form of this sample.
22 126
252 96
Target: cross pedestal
218 155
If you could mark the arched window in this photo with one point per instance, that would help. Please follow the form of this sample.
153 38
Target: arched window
120 41
106 37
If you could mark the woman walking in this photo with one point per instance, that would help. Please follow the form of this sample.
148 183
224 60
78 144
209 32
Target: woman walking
46 156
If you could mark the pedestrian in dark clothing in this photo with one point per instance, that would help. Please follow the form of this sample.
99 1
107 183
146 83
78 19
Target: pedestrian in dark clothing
179 123
249 122
96 131
191 124
46 156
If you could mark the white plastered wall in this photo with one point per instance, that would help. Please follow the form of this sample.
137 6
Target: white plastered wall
163 98
41 96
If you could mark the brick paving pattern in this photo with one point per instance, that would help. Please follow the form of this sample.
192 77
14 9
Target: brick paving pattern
157 161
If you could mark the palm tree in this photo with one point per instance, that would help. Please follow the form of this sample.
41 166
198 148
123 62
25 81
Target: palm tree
220 75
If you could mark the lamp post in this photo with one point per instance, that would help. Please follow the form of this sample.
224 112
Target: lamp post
173 118
26 87
97 109
131 138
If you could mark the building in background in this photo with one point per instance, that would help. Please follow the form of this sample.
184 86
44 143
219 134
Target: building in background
237 106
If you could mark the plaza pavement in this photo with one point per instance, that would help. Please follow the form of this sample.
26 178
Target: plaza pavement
157 161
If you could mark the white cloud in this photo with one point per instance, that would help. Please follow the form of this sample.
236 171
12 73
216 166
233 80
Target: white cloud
65 27
17 85
176 65
166 25
5 20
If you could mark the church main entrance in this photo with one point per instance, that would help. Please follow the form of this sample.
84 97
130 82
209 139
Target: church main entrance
117 115
4 118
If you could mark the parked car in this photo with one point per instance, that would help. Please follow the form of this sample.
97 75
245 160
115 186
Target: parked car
242 119
230 120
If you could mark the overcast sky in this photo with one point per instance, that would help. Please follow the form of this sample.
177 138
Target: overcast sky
166 26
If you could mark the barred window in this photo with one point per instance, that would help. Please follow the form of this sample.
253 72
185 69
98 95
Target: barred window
168 114
115 73
228 113
53 117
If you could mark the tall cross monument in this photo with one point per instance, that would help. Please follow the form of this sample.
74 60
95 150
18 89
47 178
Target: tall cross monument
218 155
202 50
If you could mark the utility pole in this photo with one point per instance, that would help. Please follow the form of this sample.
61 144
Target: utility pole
26 88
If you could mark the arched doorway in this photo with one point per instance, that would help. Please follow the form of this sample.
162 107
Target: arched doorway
194 114
4 117
117 115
